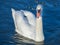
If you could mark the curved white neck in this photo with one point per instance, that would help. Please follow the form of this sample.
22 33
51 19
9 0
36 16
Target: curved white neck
39 30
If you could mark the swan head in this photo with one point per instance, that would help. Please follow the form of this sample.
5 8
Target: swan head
39 7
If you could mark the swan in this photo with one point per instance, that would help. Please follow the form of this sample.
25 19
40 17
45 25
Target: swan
27 25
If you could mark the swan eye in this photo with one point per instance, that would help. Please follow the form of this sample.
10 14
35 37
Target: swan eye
39 11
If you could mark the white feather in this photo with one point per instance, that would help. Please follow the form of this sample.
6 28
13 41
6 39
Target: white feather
27 27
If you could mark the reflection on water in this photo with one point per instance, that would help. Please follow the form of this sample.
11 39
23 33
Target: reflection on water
25 41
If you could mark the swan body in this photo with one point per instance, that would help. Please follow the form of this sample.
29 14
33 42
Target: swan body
27 25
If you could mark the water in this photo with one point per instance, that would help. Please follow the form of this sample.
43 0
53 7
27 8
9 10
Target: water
51 20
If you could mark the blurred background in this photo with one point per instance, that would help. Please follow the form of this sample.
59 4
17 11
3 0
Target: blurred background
51 20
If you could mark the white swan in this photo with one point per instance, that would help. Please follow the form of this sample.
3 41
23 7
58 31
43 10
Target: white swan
27 25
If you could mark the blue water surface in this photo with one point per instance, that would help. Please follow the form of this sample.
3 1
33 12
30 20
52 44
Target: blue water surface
51 19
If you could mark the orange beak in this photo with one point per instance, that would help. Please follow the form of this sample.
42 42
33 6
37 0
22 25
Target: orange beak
38 13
